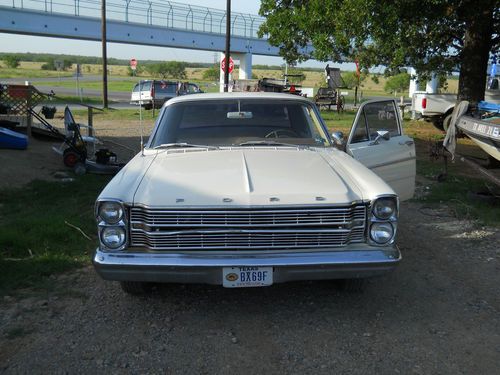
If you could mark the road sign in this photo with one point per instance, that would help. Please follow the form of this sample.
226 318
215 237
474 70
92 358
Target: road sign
133 64
223 64
78 71
58 64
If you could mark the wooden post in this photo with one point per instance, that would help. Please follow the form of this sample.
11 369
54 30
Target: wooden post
104 56
29 122
29 118
90 121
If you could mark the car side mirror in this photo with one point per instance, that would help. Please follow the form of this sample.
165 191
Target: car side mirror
338 139
381 134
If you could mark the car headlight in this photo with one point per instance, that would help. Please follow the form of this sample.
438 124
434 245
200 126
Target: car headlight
381 232
385 208
110 212
113 237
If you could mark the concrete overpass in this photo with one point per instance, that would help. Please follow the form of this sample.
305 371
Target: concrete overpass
142 22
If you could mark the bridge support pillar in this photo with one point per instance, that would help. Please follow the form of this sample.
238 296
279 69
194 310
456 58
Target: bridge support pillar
245 65
245 70
414 84
431 87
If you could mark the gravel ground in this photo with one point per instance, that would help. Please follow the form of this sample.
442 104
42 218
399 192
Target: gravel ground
39 161
438 313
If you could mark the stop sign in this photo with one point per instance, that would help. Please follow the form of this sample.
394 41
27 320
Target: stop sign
223 64
133 64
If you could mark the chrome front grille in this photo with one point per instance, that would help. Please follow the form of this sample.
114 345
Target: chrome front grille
247 218
246 229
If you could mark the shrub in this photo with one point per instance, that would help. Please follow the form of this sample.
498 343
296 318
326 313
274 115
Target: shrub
397 83
168 69
12 61
212 73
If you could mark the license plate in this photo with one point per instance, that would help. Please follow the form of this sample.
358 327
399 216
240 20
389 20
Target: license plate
245 277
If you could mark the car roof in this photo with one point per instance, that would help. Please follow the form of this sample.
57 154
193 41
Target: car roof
162 80
237 95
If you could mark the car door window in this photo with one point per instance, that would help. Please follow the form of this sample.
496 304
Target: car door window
391 159
192 88
381 115
360 131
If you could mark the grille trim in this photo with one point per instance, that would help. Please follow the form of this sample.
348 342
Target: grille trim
247 229
247 218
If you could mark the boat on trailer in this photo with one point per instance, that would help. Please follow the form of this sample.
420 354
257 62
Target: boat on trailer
485 132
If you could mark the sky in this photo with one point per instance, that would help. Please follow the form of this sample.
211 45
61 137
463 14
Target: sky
22 43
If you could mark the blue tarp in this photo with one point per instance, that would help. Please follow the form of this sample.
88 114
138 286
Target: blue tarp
11 139
489 107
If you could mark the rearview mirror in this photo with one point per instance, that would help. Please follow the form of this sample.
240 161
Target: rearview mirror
239 115
381 134
338 139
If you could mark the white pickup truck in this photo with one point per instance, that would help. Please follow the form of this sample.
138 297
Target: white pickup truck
437 108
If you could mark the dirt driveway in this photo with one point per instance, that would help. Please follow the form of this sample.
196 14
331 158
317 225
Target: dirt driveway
438 313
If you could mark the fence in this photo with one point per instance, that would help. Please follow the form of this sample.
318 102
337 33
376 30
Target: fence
164 14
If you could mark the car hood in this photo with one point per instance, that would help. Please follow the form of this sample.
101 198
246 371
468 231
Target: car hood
245 176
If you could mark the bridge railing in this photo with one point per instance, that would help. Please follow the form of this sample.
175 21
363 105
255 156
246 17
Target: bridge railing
167 14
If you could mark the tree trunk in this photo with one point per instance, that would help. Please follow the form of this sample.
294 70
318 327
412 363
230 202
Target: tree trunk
474 56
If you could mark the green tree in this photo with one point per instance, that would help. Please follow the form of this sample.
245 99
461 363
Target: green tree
397 83
49 64
138 71
67 64
11 61
351 79
212 73
168 69
295 75
429 35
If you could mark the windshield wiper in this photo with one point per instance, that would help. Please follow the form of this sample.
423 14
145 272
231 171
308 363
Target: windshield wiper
266 143
183 144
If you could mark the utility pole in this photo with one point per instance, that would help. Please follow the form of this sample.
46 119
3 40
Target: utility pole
228 45
104 56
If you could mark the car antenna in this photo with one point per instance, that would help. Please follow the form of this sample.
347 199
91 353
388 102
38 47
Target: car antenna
140 117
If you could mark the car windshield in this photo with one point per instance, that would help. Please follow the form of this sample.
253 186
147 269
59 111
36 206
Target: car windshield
245 122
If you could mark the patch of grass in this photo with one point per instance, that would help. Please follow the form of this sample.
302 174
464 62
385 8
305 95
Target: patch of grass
116 114
62 99
35 242
24 74
123 85
458 193
338 121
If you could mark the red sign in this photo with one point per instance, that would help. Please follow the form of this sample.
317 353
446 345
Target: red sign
223 64
19 91
133 64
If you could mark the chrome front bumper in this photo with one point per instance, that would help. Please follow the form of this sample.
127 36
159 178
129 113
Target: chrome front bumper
206 268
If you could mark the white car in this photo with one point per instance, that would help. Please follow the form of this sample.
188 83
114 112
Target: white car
153 93
249 189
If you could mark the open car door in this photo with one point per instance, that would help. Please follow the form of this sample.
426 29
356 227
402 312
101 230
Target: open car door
377 141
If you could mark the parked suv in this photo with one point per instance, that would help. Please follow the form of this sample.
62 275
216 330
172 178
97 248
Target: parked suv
155 92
